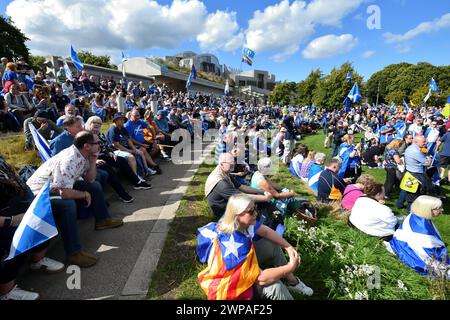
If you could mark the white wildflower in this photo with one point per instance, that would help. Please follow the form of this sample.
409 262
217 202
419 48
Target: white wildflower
401 285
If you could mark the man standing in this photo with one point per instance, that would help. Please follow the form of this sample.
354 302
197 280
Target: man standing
338 134
444 157
64 171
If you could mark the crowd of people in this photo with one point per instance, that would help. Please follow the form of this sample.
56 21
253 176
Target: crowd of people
240 192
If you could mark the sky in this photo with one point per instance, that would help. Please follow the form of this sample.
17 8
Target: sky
290 38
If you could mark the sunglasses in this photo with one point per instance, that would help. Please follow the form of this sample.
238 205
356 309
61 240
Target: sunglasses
252 211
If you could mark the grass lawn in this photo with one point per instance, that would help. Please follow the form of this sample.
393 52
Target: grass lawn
337 262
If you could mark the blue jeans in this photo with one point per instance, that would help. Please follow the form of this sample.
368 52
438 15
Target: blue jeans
334 149
401 199
65 213
102 177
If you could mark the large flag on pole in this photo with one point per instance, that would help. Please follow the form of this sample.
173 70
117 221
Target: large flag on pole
247 56
354 95
67 70
192 76
348 104
349 77
76 61
123 65
433 86
37 225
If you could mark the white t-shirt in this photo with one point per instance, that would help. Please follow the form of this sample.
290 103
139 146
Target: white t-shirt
373 218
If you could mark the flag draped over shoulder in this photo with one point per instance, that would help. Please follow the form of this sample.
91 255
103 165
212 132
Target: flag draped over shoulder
417 241
232 264
313 177
247 56
37 225
76 61
344 154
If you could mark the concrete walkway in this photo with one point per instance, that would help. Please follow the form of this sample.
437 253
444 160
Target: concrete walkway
127 255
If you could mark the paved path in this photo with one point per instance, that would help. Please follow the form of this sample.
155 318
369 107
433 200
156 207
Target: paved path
127 255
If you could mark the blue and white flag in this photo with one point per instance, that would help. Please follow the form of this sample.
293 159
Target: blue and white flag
354 95
227 89
29 82
123 65
405 106
349 77
416 242
312 110
247 56
76 61
40 143
348 105
401 128
37 225
192 76
313 177
428 96
433 85
67 70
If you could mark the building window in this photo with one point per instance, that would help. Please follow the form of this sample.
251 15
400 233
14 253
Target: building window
241 83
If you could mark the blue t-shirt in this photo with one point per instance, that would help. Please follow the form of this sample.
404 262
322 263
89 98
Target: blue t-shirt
9 75
61 142
136 130
446 148
115 134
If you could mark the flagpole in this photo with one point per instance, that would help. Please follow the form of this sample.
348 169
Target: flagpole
240 70
378 92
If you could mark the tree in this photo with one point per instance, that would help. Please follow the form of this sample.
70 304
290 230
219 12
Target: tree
396 96
305 89
100 61
13 40
37 63
283 93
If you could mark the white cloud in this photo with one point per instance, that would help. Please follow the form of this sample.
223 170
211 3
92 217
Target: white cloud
106 26
329 46
424 27
221 31
368 54
283 27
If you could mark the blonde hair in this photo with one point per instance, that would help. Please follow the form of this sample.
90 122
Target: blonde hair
424 205
11 66
87 125
365 179
235 207
394 145
311 155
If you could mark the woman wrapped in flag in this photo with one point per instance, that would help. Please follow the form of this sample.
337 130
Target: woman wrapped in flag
234 248
418 243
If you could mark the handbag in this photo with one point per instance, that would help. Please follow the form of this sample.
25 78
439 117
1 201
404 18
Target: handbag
409 183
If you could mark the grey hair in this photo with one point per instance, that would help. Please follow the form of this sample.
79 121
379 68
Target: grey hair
87 125
320 157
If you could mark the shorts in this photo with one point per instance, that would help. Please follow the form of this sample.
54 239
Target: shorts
443 161
122 154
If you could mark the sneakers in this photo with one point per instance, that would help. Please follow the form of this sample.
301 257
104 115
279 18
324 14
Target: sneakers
142 185
108 223
47 265
157 169
82 259
127 198
301 288
18 294
151 172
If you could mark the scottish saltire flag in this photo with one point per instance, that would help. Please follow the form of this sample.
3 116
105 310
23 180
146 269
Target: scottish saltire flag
313 177
76 61
348 104
433 85
67 70
428 96
247 56
354 95
417 241
312 110
401 128
232 267
405 106
295 165
37 225
392 105
123 65
227 89
192 76
349 77
344 154
41 144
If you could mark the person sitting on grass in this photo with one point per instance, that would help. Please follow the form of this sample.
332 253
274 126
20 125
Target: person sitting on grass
239 268
315 171
15 199
417 242
220 186
295 165
283 199
330 186
306 165
353 191
371 216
